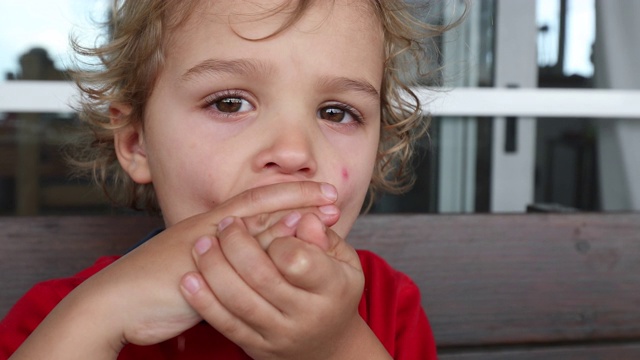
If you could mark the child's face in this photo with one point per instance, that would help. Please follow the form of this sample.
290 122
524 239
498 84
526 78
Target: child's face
228 114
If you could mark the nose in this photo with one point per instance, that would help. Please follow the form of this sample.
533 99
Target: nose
288 149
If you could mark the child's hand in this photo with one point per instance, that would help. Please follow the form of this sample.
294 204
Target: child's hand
136 299
261 207
299 299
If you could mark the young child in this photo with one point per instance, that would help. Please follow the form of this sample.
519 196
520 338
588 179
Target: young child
255 128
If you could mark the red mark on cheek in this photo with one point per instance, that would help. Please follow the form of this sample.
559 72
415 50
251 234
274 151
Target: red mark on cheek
345 174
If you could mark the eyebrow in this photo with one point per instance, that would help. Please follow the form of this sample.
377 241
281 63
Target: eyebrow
252 67
242 67
348 84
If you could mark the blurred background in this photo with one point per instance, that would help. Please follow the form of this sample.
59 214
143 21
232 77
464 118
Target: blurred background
486 163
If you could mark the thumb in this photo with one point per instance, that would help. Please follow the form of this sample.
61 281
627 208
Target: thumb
339 249
311 230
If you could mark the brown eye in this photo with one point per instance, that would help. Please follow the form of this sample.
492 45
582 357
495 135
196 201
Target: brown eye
332 114
229 105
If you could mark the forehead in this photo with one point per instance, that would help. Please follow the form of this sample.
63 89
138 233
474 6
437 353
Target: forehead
259 19
342 35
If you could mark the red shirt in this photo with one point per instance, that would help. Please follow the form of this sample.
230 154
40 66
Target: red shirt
390 305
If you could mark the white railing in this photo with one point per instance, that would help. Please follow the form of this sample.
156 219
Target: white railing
37 96
574 103
57 96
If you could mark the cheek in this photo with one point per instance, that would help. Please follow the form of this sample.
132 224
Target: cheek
354 181
354 172
352 190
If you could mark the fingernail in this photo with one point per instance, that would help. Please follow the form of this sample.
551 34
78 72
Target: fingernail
191 284
292 219
202 245
329 191
224 223
328 209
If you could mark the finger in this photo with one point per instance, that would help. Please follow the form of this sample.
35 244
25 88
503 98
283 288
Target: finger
342 251
286 226
254 266
302 264
200 297
316 259
328 215
313 231
281 196
228 287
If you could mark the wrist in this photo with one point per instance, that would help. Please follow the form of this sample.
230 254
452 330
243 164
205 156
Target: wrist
361 343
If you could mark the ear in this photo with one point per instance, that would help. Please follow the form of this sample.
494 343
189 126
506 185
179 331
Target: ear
129 145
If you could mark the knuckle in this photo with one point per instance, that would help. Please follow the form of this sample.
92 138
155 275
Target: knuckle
202 301
255 196
248 199
231 232
262 222
297 262
306 191
263 281
230 328
244 309
231 235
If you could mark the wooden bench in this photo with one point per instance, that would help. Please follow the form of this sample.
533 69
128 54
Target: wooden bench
530 286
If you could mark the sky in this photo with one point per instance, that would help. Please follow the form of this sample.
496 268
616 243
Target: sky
25 24
580 35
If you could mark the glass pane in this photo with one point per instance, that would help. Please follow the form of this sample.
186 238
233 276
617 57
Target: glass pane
34 45
566 39
34 176
570 170
567 165
452 164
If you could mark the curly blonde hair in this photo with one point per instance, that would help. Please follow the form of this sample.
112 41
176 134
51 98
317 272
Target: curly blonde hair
129 62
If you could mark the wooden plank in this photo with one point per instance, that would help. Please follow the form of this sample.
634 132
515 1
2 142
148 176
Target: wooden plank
501 279
33 249
571 352
487 280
